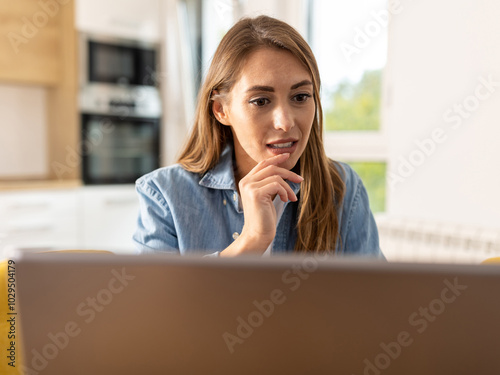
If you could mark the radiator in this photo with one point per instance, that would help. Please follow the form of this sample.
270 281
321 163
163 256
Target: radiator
412 240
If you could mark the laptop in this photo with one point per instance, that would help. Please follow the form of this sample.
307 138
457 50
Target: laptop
155 314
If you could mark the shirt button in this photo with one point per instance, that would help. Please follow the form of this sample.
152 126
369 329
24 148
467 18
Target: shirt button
235 197
235 235
224 202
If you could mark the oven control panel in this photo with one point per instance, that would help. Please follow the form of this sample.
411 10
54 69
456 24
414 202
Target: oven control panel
139 101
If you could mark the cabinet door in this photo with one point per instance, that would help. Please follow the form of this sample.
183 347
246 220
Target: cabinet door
30 46
39 220
109 217
134 19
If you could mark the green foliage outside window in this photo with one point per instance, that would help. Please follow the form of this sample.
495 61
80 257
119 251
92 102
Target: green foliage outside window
373 176
355 106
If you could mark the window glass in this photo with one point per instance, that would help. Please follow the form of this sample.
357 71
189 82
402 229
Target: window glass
354 105
373 175
349 39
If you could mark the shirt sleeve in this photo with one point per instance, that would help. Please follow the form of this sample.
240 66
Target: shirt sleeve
155 231
360 230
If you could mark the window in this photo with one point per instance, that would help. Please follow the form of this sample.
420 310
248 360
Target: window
349 40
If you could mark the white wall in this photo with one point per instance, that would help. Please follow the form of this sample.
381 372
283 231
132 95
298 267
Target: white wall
440 53
290 11
136 20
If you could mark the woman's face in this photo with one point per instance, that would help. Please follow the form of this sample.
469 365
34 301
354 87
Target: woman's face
270 109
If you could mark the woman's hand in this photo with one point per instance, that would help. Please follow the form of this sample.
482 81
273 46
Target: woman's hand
257 191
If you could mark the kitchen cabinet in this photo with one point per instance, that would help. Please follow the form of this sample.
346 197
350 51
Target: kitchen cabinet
85 217
31 47
21 152
39 220
134 19
109 215
38 52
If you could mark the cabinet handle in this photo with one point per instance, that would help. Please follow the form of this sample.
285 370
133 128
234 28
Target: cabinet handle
119 202
29 206
29 229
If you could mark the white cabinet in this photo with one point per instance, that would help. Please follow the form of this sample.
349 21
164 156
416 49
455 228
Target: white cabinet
109 215
89 217
40 220
131 19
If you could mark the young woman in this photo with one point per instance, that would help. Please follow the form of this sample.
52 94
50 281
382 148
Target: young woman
253 177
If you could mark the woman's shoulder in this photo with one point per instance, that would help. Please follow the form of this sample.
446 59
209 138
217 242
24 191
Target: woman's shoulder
355 191
171 178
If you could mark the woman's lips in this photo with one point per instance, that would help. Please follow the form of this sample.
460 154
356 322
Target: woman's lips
281 148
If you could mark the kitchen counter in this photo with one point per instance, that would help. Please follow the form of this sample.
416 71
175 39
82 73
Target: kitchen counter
17 185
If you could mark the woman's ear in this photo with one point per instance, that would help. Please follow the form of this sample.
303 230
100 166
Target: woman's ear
218 109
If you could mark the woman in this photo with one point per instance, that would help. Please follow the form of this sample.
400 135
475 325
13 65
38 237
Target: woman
253 177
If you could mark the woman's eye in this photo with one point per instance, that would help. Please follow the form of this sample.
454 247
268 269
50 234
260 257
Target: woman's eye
259 102
301 97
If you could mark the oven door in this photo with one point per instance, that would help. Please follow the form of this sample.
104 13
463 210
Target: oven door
118 150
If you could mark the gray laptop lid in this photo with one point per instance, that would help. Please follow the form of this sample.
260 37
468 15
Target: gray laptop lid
110 314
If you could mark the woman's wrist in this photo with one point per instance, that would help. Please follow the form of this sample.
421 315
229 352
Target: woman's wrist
246 244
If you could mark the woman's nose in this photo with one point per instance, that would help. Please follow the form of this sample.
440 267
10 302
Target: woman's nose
283 119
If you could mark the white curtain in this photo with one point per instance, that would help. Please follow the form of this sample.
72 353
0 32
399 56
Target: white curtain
177 80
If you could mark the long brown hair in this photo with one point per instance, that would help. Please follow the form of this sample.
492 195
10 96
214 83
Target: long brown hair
322 190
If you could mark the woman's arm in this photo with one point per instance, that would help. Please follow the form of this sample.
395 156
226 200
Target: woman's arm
155 230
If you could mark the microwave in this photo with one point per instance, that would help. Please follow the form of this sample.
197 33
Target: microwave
116 61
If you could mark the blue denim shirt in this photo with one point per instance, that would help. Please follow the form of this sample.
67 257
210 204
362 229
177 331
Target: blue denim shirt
184 212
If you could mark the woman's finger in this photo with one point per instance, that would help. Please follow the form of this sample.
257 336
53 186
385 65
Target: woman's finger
273 170
274 160
272 185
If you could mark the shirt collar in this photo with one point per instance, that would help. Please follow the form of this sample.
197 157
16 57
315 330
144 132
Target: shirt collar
222 175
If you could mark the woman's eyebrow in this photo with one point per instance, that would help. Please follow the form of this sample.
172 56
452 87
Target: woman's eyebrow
261 88
300 84
271 89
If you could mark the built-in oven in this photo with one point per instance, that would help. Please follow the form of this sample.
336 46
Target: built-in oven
120 110
118 150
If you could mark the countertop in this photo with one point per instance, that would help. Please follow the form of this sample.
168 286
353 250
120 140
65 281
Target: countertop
14 185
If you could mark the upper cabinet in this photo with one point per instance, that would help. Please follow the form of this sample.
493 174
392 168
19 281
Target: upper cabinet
137 19
32 42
